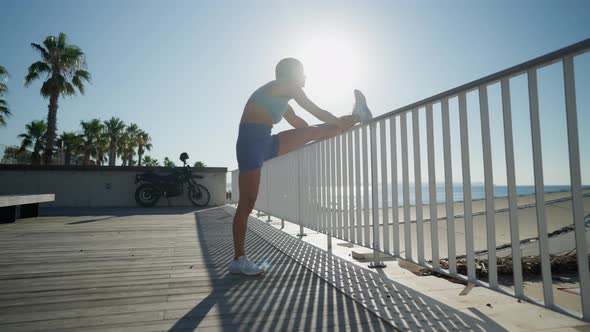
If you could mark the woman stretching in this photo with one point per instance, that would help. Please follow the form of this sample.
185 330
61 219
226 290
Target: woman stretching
267 106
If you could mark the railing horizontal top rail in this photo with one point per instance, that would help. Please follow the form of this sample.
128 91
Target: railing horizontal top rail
546 59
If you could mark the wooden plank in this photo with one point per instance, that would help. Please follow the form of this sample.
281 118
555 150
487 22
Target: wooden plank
150 277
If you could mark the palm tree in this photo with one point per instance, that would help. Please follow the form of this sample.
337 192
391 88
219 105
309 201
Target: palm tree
131 143
199 164
4 111
150 162
168 162
114 130
102 147
143 143
64 64
71 143
35 137
91 132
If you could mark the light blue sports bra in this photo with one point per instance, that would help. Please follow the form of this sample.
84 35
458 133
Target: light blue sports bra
277 106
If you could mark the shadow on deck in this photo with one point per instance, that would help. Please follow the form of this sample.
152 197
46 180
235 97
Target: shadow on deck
166 270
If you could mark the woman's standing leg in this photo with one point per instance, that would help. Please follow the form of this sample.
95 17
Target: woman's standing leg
248 183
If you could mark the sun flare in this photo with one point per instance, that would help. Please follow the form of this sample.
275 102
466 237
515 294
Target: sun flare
331 63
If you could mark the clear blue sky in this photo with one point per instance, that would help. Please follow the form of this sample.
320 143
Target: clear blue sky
183 70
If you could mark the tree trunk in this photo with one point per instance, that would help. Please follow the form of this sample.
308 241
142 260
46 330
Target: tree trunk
86 158
112 154
139 154
68 157
51 128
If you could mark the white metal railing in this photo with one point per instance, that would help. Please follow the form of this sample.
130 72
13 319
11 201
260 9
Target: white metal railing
332 186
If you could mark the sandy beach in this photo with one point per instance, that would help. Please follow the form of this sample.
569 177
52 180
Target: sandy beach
558 212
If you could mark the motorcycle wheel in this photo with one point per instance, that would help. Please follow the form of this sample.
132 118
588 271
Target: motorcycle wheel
147 195
198 195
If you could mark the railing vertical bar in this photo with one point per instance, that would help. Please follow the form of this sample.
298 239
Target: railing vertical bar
406 188
576 183
317 185
511 181
310 165
331 184
374 189
418 185
351 158
299 189
384 185
432 188
324 170
394 185
307 159
357 184
489 186
312 170
450 209
338 188
318 190
467 202
539 187
366 211
345 158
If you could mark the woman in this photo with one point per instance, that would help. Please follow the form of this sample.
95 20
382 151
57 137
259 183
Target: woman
267 106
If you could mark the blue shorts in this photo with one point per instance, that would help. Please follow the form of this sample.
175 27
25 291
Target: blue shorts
255 145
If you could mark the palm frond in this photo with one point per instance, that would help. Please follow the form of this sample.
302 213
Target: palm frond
3 88
26 142
72 59
47 88
31 77
44 53
3 71
35 70
61 40
49 43
4 110
67 89
78 84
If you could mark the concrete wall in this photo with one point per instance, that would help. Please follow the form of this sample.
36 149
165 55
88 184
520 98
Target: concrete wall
93 186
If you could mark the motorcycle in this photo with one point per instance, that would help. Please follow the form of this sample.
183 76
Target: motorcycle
153 186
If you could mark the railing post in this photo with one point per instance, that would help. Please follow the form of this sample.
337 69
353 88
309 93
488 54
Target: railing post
540 188
394 186
449 204
432 202
377 263
489 186
576 184
299 184
418 186
511 182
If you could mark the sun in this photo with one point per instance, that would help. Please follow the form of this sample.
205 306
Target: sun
332 64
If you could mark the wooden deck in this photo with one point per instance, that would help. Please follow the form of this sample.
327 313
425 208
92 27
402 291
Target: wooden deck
158 270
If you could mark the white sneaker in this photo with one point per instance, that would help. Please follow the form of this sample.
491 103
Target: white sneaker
244 266
361 108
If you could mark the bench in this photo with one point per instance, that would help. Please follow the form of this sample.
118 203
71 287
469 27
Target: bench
28 206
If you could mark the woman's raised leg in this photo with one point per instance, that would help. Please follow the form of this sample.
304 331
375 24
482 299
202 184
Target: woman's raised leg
294 139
